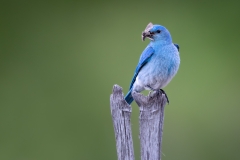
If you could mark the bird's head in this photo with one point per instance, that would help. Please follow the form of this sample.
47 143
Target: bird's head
156 33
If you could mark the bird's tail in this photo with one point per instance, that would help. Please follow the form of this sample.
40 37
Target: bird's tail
129 97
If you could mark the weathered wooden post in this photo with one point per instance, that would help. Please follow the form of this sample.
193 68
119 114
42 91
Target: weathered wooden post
121 116
151 124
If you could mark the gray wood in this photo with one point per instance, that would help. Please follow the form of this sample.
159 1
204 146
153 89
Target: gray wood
151 123
121 116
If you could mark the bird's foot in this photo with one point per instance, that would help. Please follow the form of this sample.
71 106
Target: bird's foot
163 92
159 91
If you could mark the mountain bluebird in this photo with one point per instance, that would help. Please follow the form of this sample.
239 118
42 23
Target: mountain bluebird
158 63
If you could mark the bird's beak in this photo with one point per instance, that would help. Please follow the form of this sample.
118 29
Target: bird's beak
147 33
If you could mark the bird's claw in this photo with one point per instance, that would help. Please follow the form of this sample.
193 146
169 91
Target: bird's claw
163 92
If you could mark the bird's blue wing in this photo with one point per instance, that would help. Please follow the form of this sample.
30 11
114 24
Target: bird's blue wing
177 46
144 58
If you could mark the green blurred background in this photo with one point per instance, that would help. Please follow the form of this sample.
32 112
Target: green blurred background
60 59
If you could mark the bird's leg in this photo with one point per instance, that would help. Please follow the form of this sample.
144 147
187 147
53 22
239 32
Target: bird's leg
151 89
163 92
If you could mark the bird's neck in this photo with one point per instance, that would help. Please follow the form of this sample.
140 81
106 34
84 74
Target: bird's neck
160 43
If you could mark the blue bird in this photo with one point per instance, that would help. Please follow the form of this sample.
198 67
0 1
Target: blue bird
158 63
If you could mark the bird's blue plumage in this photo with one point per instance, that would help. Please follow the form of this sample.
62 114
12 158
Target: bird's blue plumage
129 97
145 57
158 63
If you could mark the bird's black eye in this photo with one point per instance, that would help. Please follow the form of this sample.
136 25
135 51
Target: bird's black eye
158 31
